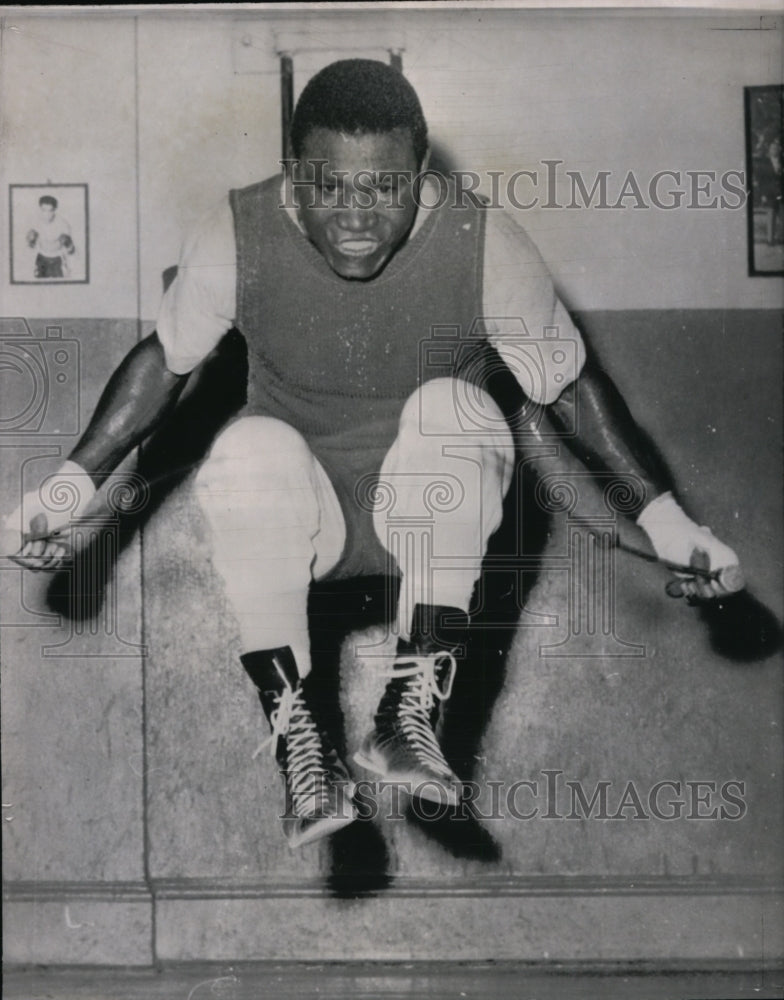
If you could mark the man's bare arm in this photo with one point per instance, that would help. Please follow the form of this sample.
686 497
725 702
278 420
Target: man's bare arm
139 395
608 439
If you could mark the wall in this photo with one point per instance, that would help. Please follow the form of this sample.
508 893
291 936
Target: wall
69 116
136 814
650 97
635 75
613 94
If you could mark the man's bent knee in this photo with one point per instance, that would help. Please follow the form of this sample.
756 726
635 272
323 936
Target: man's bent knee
255 452
454 406
252 437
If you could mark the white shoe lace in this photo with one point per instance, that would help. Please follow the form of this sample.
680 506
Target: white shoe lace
291 718
418 699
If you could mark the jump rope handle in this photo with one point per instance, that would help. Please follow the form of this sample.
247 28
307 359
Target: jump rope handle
730 577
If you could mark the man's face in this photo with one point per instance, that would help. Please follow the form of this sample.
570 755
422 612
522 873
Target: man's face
47 211
357 208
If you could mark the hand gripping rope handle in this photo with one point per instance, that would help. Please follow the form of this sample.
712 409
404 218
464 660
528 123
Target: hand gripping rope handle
729 577
65 533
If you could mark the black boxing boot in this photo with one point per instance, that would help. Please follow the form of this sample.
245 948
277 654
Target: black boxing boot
403 746
319 789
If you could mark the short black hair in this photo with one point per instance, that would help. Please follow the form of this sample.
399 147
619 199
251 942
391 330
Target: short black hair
47 199
357 96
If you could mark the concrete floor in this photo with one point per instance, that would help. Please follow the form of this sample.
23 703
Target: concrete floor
139 827
385 982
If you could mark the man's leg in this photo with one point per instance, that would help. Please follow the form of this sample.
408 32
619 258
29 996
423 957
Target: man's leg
445 479
276 524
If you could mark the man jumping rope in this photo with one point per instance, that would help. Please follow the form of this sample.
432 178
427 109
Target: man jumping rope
336 274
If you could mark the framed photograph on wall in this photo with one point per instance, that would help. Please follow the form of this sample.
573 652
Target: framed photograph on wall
764 140
49 234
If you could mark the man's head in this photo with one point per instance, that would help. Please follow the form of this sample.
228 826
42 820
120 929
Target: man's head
48 206
360 137
359 96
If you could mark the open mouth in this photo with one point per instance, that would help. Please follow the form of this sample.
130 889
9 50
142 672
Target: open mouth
357 248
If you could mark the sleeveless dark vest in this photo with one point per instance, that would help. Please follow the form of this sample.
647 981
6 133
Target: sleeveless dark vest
337 359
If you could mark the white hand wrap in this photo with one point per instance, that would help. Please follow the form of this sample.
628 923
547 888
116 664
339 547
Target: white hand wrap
62 497
675 537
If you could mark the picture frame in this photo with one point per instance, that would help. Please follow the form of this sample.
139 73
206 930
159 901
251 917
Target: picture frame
764 117
49 233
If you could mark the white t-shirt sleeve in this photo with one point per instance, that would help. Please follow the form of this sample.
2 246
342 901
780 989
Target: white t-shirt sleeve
200 304
525 320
